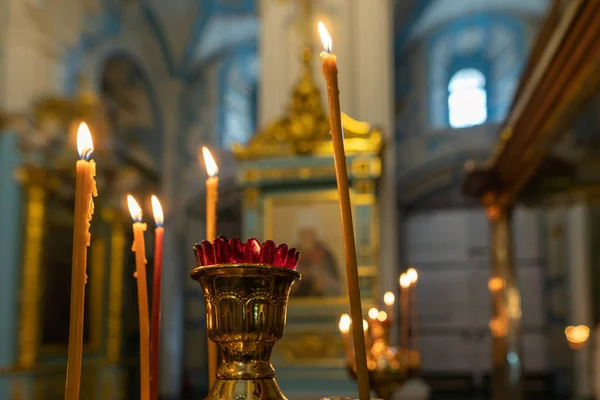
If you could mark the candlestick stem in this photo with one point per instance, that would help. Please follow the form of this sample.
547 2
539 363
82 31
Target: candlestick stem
84 188
335 121
156 294
140 262
211 234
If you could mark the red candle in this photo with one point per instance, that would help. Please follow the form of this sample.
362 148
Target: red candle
159 232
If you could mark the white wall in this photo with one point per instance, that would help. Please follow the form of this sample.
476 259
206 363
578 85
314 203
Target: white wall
450 249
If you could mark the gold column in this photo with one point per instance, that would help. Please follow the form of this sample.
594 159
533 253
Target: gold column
115 302
505 325
29 325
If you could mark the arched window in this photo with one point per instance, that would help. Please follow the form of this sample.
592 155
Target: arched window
467 98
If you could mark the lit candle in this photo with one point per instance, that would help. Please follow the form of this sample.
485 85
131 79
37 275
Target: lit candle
85 188
212 185
404 285
413 277
330 72
344 327
373 313
389 299
139 248
159 232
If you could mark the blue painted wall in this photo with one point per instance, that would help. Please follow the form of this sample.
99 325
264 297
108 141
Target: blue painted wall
10 251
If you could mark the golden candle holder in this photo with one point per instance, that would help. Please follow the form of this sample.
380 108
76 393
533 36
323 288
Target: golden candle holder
246 308
389 366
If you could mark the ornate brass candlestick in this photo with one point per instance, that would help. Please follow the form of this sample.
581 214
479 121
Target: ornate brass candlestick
246 308
389 366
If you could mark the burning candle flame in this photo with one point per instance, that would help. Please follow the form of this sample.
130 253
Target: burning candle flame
325 37
85 146
134 208
373 313
577 336
211 166
382 316
404 281
157 210
389 298
344 324
365 325
412 275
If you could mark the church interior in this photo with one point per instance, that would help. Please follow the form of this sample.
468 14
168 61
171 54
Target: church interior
448 195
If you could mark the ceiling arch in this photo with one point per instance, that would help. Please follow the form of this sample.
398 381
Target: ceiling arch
440 12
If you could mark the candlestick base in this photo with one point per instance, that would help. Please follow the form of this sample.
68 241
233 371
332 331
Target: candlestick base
246 308
245 389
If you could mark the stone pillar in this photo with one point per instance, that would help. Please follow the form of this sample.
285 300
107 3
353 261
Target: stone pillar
363 43
580 305
505 324
176 249
10 251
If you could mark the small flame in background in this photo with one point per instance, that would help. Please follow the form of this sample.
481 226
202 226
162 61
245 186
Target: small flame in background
373 312
577 336
325 37
404 281
389 299
85 146
157 210
344 324
382 316
134 208
211 166
412 276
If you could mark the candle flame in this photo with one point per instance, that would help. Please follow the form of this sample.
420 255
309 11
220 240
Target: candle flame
134 208
381 316
389 298
412 275
344 324
325 37
404 281
211 166
157 210
577 335
85 146
365 325
373 313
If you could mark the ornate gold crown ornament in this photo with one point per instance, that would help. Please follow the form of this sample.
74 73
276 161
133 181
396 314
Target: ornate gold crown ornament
305 128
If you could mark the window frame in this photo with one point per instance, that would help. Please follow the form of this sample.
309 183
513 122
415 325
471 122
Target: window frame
470 62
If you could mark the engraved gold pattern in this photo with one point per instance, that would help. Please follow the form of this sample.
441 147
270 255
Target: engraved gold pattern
29 325
246 308
305 127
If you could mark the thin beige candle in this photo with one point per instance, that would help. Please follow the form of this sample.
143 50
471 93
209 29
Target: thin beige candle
85 188
330 73
212 190
404 285
139 248
413 277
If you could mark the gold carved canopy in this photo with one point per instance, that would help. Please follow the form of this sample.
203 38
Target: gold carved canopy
305 128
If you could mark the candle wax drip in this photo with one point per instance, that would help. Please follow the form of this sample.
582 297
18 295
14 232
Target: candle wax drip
91 194
144 227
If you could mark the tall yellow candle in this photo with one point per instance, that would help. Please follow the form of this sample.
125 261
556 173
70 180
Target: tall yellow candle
330 72
404 285
413 277
139 248
85 188
212 189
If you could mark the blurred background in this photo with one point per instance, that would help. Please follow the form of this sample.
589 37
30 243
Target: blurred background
478 168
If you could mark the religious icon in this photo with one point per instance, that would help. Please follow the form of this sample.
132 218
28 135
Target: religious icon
320 274
313 227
